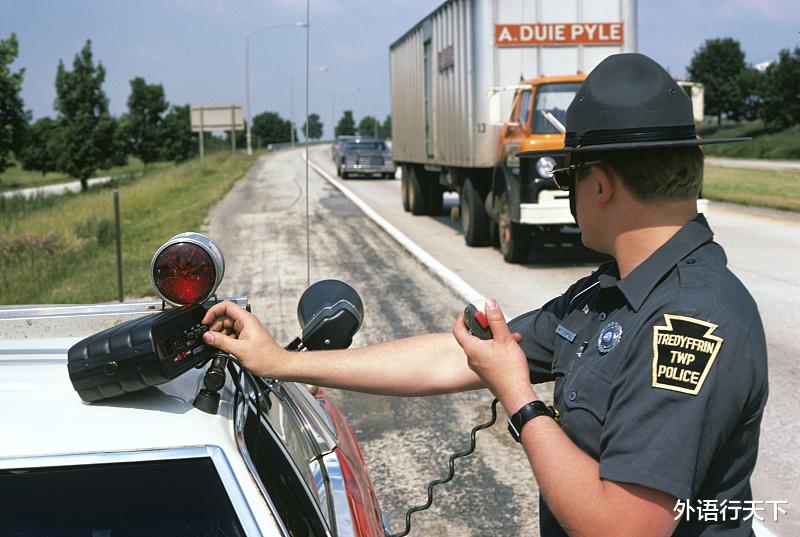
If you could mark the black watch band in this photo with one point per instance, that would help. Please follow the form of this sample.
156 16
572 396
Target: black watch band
526 414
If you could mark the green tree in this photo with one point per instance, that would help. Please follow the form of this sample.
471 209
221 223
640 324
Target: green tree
751 88
144 123
313 130
781 90
43 146
346 125
369 126
120 146
717 65
270 128
84 121
386 128
179 142
13 119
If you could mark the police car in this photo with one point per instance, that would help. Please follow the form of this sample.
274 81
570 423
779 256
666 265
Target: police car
196 454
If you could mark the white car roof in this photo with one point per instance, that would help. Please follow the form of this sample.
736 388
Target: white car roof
49 418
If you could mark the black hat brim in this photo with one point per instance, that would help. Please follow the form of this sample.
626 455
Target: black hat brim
624 146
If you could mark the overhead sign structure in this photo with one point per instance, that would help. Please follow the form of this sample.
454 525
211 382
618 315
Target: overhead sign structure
216 117
560 33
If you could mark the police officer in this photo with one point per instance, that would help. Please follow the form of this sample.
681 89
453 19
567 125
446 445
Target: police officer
658 357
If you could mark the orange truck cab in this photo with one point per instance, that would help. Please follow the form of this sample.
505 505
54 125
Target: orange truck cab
523 201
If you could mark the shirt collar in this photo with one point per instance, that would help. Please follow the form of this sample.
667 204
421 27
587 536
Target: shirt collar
641 281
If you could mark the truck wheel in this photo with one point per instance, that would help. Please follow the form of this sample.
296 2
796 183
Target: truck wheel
417 202
474 221
435 200
515 239
404 187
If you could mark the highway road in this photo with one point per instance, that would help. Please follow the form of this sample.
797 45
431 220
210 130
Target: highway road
406 441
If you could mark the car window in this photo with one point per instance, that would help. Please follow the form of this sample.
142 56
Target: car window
365 146
554 98
167 497
282 465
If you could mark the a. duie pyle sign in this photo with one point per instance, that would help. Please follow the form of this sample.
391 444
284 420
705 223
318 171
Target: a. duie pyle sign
559 33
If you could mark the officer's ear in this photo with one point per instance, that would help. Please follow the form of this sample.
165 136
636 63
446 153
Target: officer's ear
604 183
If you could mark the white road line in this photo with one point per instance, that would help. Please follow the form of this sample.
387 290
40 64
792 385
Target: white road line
455 282
761 531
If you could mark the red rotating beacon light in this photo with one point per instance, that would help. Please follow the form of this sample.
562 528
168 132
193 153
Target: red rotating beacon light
187 269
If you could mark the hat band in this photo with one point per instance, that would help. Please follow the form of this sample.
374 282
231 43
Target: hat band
615 136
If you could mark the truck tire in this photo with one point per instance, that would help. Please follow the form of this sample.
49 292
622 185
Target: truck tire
474 220
404 187
435 193
417 199
515 239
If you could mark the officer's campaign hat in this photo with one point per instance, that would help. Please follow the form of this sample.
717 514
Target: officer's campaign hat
628 102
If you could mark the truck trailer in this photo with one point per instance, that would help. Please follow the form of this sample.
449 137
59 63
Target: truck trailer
477 81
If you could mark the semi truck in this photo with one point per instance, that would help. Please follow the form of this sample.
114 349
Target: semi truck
477 81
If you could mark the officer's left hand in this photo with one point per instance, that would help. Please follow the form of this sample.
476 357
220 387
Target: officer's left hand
500 362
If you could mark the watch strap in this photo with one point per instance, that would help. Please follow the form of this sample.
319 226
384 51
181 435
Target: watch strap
525 414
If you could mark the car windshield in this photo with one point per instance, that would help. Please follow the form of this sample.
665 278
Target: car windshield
553 98
172 497
365 146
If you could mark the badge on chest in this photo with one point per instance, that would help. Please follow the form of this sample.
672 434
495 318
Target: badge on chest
684 349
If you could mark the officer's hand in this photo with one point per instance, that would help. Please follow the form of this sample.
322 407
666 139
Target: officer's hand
240 333
499 361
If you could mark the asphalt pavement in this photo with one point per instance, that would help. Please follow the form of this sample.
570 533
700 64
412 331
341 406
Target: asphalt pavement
261 227
55 189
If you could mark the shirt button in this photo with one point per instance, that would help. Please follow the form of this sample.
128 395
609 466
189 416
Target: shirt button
602 316
572 396
690 261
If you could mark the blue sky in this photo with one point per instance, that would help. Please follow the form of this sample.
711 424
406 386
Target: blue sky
195 48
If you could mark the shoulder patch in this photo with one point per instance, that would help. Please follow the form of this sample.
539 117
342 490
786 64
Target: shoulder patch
683 352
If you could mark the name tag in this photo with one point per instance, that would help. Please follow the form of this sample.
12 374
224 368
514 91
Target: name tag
565 332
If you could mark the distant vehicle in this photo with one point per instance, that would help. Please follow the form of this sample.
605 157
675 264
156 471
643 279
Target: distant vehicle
365 156
336 148
264 459
454 129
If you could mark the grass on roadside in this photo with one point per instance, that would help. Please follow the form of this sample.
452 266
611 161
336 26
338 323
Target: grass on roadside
775 189
766 143
61 249
15 177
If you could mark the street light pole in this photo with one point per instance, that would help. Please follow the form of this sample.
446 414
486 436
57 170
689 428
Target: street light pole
299 24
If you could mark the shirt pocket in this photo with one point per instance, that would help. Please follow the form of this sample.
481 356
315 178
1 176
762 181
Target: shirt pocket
588 392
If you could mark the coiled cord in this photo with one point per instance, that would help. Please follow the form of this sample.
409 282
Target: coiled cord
451 472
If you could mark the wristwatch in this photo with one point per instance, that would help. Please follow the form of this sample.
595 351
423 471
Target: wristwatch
525 414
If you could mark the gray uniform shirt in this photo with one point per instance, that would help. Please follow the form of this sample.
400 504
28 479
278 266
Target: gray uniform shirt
661 377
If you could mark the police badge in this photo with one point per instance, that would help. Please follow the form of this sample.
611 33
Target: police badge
609 337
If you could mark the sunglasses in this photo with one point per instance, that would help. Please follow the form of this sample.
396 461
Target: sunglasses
564 178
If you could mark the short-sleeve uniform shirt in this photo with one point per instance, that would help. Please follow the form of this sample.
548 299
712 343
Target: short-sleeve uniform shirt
661 377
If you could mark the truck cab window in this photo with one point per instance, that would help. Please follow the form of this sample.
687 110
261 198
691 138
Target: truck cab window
524 107
553 98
